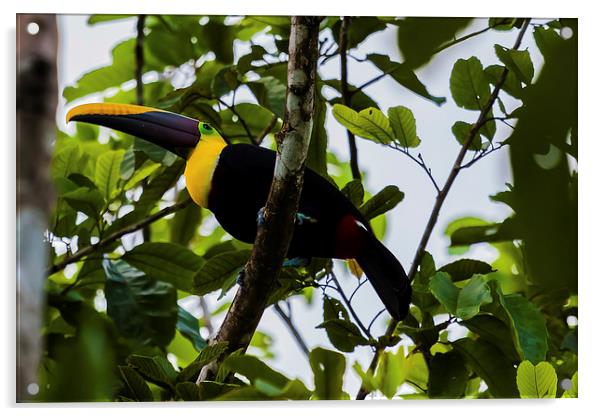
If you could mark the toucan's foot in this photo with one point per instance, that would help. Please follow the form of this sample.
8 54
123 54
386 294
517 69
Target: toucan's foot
297 262
261 217
301 219
240 277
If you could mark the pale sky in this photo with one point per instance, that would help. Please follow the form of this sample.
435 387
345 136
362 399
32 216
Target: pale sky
83 48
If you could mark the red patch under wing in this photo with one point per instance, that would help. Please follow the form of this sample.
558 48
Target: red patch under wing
349 238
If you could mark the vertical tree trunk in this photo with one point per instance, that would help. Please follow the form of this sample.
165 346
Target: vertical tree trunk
273 238
36 110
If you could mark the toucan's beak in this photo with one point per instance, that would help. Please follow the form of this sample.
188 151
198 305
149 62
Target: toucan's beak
176 133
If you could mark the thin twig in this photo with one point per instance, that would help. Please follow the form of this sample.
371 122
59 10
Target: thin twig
139 51
482 155
360 284
462 39
287 319
349 306
266 131
343 38
419 161
237 114
116 235
206 315
362 393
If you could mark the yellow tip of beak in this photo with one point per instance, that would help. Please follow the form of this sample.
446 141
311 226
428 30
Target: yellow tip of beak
108 109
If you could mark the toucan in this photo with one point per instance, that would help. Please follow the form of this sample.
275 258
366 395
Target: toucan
233 181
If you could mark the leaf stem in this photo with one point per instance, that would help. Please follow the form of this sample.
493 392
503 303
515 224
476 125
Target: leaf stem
287 319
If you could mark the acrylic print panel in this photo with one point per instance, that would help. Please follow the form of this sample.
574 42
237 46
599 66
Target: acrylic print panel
432 253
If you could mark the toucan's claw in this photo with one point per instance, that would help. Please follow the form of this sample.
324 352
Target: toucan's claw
240 277
297 262
261 217
301 219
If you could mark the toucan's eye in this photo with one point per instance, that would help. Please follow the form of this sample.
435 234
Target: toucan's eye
205 128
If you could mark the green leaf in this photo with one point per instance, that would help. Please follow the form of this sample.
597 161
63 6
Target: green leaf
502 23
391 372
155 369
468 84
66 159
318 143
463 303
461 131
358 125
188 391
505 231
254 369
143 172
383 201
101 18
328 368
494 331
138 388
448 376
256 117
419 38
536 382
528 326
359 29
472 296
188 326
343 334
225 81
354 191
271 94
403 74
155 153
208 354
108 172
490 364
518 62
511 85
445 291
185 223
404 126
218 270
86 200
359 99
368 380
464 269
143 309
168 262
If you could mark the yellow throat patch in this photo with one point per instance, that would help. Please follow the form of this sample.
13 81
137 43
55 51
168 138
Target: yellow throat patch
200 167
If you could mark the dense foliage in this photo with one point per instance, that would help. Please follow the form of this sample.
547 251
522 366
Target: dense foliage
113 316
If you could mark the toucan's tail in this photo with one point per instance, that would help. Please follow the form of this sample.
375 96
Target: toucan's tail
387 277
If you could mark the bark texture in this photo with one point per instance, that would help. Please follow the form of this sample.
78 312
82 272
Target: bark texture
273 238
36 110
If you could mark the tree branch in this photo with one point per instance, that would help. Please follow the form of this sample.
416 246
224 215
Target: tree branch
343 41
139 51
36 125
442 195
274 236
292 329
116 235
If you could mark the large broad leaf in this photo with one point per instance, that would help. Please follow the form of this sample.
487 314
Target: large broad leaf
511 85
218 270
528 327
465 302
155 369
188 326
448 376
490 364
504 231
536 382
369 123
468 84
419 38
354 191
404 75
359 28
169 262
391 372
328 368
461 131
185 223
86 200
343 334
108 172
494 331
142 308
404 126
518 62
316 153
464 269
66 159
383 201
136 385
